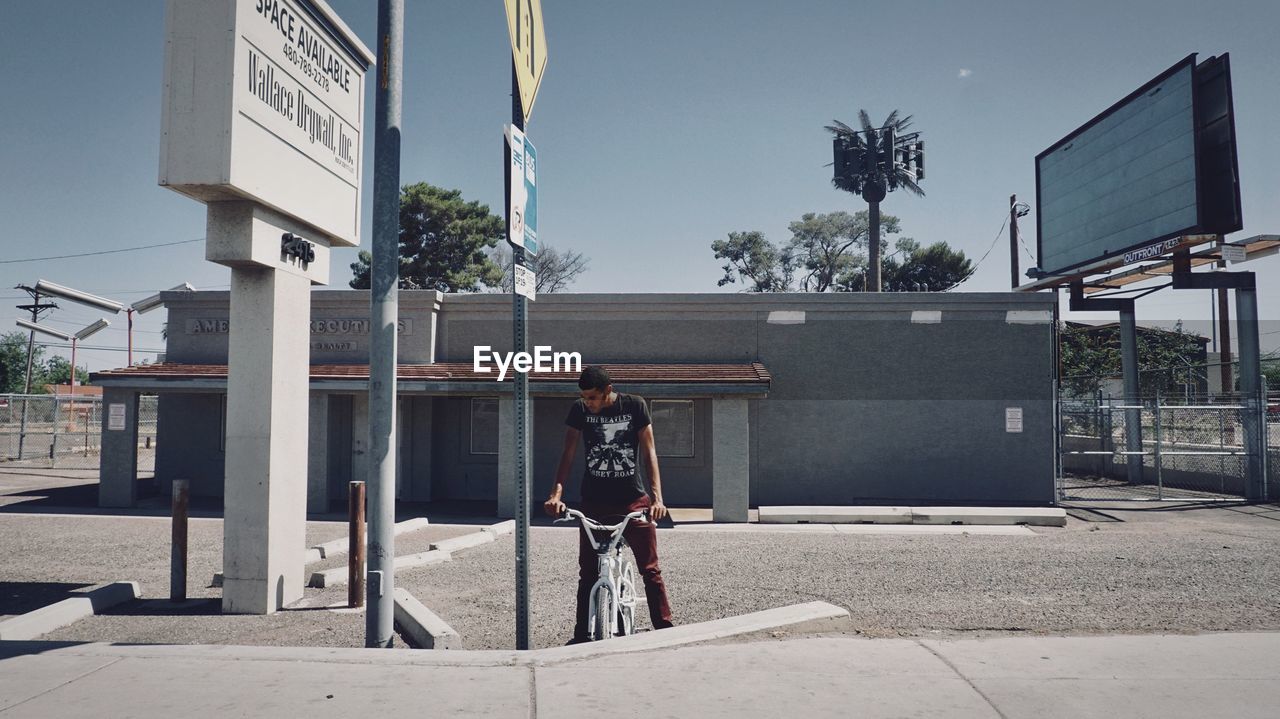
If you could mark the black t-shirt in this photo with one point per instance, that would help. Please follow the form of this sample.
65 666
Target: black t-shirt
612 440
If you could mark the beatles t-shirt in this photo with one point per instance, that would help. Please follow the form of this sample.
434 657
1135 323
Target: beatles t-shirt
612 439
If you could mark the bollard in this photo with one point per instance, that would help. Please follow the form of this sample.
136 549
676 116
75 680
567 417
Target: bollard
356 545
178 553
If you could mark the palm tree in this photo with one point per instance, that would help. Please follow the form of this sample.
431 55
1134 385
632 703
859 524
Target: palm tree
878 176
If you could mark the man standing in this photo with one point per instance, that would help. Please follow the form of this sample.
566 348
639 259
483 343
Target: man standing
614 427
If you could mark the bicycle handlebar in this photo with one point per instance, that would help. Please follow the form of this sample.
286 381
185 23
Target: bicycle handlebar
571 514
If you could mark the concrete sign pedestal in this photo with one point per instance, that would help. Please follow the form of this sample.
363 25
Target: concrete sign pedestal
264 530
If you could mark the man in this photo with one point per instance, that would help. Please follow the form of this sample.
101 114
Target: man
614 427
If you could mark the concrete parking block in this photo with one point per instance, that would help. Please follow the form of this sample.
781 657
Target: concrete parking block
501 528
1037 516
835 515
422 559
465 541
341 545
68 611
421 626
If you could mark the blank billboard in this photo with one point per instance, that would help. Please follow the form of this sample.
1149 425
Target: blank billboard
1131 176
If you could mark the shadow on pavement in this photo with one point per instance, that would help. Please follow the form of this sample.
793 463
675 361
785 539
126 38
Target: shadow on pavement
22 597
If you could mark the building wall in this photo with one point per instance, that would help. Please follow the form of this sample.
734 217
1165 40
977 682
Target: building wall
189 438
890 398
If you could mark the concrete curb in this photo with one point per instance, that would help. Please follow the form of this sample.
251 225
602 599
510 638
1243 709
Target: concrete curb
341 545
794 617
501 528
1038 516
835 515
337 576
421 626
465 541
68 611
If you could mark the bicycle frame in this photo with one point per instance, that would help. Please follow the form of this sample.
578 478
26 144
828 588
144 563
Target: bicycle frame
610 564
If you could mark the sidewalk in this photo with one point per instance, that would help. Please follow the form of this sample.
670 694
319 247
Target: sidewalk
1044 677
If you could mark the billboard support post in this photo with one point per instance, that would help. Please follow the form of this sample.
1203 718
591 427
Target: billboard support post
1132 396
1250 390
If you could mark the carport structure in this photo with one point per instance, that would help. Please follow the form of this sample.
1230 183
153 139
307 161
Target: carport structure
455 430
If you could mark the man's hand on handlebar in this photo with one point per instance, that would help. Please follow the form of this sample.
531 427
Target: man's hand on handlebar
553 507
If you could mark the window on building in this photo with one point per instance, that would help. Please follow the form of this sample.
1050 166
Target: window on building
672 426
484 425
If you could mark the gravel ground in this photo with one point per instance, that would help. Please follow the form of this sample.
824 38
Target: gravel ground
48 557
1111 570
1203 569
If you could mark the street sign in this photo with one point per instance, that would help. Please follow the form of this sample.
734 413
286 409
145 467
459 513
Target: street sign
1233 253
522 215
528 48
525 281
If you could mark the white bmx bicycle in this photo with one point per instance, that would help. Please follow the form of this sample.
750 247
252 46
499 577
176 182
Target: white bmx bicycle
613 597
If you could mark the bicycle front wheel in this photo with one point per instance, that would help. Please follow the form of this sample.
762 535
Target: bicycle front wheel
602 626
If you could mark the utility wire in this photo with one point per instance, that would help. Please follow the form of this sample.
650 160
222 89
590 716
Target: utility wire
984 255
102 252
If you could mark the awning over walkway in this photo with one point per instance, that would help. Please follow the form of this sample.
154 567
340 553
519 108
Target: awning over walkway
461 378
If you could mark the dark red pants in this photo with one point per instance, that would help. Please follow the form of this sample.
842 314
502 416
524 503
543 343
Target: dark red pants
643 539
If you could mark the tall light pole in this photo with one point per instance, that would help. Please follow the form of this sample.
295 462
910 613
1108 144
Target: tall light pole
147 304
82 334
33 328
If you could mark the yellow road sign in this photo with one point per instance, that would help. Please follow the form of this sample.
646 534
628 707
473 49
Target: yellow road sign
528 48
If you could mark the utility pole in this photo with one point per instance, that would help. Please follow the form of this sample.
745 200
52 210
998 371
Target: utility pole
35 308
384 313
1013 241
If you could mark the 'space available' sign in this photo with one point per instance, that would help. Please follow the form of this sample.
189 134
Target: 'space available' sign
264 101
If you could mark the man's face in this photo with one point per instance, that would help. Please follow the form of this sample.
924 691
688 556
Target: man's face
596 399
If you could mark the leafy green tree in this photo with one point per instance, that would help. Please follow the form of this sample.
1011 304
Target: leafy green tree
873 180
445 243
756 261
1089 352
912 268
826 247
13 364
57 370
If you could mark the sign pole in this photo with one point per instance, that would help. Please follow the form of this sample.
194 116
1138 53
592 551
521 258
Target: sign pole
384 281
520 343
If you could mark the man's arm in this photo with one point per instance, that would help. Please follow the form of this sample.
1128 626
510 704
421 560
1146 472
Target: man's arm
553 506
650 453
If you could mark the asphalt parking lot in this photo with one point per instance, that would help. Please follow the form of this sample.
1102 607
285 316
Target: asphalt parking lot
1178 568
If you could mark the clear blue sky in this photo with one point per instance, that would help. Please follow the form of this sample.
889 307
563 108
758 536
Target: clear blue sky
661 126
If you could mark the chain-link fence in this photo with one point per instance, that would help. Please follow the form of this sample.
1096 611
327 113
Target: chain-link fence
65 431
1183 437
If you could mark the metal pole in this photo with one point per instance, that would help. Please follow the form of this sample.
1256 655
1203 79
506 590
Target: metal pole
873 247
73 367
178 550
26 392
384 312
1250 386
129 315
1132 417
1224 325
1013 241
355 544
523 433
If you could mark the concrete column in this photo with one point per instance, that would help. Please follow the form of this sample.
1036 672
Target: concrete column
318 454
264 530
1132 395
1251 393
506 457
118 464
730 459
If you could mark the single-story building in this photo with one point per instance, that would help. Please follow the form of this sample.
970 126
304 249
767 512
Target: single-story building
831 399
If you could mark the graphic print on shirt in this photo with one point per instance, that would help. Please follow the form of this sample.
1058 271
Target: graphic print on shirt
610 457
